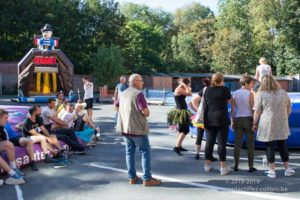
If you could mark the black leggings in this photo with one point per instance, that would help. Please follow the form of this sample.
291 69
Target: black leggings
213 133
282 148
68 136
200 133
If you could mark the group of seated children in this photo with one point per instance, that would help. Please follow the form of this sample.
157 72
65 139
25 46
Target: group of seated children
57 121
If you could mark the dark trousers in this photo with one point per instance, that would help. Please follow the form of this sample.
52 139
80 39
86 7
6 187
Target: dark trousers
67 136
282 148
243 125
213 133
200 133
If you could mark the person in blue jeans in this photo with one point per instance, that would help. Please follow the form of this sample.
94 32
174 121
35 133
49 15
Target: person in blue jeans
132 124
120 87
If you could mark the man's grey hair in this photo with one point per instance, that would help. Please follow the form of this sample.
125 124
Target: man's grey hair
132 77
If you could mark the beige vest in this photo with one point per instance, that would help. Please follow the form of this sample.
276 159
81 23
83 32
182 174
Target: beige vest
130 119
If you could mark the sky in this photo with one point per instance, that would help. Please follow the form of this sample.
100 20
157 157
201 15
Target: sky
172 5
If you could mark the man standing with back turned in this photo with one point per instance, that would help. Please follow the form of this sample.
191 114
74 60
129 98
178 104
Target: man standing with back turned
133 125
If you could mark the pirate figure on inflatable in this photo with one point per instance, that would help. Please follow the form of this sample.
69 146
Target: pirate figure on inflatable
44 70
47 42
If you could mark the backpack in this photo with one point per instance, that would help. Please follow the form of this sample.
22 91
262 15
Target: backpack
79 123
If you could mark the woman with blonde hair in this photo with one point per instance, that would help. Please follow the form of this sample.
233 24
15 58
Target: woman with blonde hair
271 111
83 125
261 70
216 121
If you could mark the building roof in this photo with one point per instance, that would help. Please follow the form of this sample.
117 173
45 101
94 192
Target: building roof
204 75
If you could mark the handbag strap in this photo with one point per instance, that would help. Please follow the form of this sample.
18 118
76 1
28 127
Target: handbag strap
203 92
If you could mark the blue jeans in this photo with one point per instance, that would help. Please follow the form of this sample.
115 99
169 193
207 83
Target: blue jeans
144 148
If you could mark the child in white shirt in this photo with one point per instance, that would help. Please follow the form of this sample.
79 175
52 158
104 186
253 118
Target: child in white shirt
261 70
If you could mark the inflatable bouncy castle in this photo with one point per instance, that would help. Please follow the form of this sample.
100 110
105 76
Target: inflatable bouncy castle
44 70
293 140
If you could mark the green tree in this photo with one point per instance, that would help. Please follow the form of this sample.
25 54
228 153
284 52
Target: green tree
20 20
190 14
151 16
143 46
155 18
107 65
204 34
276 27
287 42
192 44
264 18
100 25
233 47
83 26
184 52
249 29
231 52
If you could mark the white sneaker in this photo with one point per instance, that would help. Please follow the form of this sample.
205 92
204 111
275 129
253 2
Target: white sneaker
224 171
15 180
207 168
1 182
289 172
270 173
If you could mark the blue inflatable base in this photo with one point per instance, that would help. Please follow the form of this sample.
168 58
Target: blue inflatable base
293 141
41 99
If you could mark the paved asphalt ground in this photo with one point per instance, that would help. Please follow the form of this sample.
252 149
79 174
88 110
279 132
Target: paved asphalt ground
101 174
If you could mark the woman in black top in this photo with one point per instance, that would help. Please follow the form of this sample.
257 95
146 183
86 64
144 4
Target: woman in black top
194 104
216 121
181 115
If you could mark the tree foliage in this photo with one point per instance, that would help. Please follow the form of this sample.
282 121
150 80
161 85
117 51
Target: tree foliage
107 64
143 44
192 45
150 40
233 48
82 26
160 25
249 29
191 13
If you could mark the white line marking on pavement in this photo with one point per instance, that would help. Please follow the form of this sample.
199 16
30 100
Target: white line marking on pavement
19 192
200 185
230 157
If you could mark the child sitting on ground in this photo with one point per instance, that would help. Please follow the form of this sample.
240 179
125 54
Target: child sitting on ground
83 126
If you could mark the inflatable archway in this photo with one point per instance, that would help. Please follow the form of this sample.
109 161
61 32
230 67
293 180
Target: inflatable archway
44 71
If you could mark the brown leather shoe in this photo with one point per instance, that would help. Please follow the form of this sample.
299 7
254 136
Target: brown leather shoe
152 182
134 180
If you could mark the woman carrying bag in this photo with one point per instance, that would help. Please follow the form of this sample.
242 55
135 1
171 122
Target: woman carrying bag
197 105
216 121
